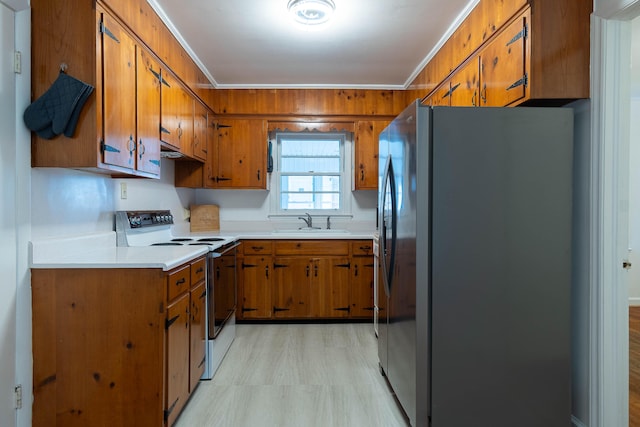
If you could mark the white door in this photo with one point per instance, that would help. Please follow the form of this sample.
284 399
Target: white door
8 251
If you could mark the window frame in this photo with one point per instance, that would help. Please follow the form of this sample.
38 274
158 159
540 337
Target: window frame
344 139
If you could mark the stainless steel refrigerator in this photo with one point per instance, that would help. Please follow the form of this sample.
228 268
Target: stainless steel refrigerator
475 265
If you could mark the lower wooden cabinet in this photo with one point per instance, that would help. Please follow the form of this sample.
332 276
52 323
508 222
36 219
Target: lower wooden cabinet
306 279
115 346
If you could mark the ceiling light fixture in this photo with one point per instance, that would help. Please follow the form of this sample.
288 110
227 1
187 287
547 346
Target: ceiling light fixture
311 12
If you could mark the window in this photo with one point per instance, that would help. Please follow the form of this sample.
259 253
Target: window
309 174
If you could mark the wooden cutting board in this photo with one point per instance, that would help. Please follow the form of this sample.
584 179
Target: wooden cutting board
205 218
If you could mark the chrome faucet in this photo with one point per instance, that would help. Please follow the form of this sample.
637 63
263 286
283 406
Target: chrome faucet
308 220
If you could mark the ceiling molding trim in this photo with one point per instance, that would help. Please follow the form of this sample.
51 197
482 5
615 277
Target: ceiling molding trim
452 28
311 86
172 28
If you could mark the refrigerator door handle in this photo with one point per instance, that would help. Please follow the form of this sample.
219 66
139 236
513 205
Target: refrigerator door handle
388 222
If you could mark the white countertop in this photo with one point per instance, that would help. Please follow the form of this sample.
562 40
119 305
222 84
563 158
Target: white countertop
100 251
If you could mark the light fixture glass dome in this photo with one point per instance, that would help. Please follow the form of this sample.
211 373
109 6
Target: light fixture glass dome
311 12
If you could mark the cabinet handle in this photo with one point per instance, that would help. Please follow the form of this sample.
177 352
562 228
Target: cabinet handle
258 174
200 270
180 282
365 248
307 271
266 271
142 149
483 94
257 248
219 178
473 98
315 270
361 174
356 270
217 272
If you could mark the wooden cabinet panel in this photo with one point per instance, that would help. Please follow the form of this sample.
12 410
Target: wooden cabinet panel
329 289
292 287
176 120
240 158
197 332
200 132
257 247
502 66
440 96
119 94
178 282
148 113
365 157
361 247
465 85
178 345
255 283
311 247
361 297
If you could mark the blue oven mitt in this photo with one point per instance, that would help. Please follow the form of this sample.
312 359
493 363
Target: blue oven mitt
58 109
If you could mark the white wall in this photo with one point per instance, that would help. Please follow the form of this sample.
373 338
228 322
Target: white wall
634 199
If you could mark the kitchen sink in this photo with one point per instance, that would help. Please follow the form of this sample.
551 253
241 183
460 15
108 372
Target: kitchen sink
310 231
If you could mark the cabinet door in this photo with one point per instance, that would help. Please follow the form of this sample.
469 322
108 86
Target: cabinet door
242 154
465 85
211 165
503 76
197 334
439 97
176 120
200 132
177 362
119 94
365 157
292 278
255 281
361 297
148 109
330 287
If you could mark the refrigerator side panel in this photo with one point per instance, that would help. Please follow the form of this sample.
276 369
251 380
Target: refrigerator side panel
501 258
383 298
422 203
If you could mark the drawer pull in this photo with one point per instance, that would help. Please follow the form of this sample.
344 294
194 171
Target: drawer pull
181 281
365 248
257 248
200 270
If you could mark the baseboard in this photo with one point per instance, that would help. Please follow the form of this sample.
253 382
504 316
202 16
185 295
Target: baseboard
576 422
634 302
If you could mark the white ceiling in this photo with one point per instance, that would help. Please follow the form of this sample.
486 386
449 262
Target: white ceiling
377 44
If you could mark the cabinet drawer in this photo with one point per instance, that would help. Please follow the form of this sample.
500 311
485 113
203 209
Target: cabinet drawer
197 271
178 282
362 247
257 247
312 247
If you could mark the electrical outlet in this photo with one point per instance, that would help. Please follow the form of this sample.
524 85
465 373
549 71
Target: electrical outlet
123 190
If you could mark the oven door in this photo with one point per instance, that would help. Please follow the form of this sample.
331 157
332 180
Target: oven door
221 287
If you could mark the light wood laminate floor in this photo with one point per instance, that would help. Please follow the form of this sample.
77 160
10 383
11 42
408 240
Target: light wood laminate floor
296 375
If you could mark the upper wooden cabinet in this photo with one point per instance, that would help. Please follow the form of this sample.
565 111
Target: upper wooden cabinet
177 116
365 154
113 134
200 121
240 154
539 56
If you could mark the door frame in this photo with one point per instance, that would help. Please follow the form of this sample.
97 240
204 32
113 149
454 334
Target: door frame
609 216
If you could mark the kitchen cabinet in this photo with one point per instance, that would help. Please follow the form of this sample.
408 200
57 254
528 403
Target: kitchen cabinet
504 77
365 154
113 132
306 279
361 297
200 123
465 85
311 279
177 116
113 346
236 157
255 286
198 323
440 96
240 154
